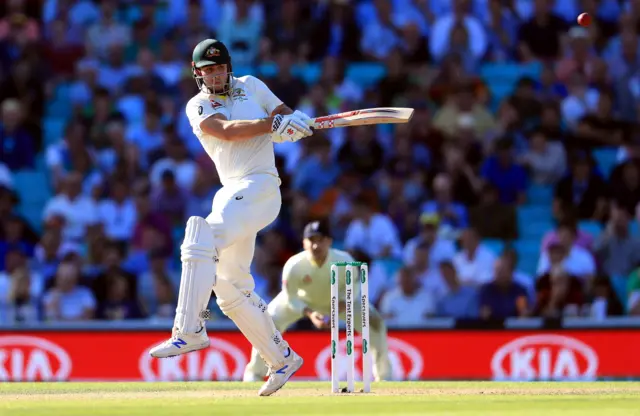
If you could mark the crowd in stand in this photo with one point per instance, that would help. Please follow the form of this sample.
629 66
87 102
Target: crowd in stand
437 206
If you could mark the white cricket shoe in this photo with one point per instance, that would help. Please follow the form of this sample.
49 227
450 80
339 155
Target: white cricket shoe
181 344
278 378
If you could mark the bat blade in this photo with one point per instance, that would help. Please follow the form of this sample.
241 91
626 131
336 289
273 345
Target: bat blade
363 117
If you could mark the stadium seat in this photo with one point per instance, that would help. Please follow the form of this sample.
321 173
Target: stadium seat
534 230
540 195
309 73
606 160
32 186
528 255
534 213
366 74
619 284
268 70
494 245
53 130
592 228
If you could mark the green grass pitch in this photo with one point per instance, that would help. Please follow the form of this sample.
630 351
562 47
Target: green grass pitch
315 398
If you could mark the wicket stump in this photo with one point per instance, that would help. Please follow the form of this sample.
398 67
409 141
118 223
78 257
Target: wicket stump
360 271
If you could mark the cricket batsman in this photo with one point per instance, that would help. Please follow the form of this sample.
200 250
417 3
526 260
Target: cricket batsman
237 120
306 291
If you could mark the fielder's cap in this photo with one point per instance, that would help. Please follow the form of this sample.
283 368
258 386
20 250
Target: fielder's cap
317 228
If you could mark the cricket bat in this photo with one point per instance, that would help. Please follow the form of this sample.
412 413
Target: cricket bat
366 116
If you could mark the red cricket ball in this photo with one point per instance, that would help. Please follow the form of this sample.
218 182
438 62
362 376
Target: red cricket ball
584 19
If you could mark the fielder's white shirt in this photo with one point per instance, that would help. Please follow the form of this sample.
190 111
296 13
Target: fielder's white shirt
250 99
308 284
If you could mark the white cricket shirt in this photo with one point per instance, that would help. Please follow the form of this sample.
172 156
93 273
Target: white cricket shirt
250 99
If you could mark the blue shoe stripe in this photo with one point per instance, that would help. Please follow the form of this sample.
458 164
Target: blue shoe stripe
178 343
283 370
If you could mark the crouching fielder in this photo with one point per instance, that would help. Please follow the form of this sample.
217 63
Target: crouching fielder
306 292
236 120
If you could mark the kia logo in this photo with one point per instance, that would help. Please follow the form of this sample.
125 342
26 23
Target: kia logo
545 357
25 358
406 361
221 361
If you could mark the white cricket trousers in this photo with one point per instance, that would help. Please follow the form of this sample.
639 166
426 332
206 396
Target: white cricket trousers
239 211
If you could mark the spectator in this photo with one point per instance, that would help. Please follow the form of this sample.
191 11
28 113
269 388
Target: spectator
493 219
119 303
600 127
285 85
616 250
576 260
474 261
335 33
205 186
502 171
582 189
625 186
148 136
502 297
633 293
558 292
581 100
540 37
117 214
380 34
581 54
372 232
583 239
60 156
16 233
71 210
444 27
113 74
510 255
178 161
17 145
23 293
169 66
605 302
428 274
107 32
451 213
169 199
501 25
460 301
466 185
242 33
317 172
545 160
157 287
67 300
288 33
464 102
362 152
440 249
148 218
408 304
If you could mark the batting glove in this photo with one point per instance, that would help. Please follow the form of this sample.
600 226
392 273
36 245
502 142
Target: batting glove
289 128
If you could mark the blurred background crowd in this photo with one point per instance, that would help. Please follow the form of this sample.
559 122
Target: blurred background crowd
513 192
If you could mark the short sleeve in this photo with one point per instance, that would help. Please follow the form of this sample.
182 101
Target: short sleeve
266 98
199 109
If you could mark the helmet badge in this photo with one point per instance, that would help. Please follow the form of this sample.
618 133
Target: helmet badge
211 52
